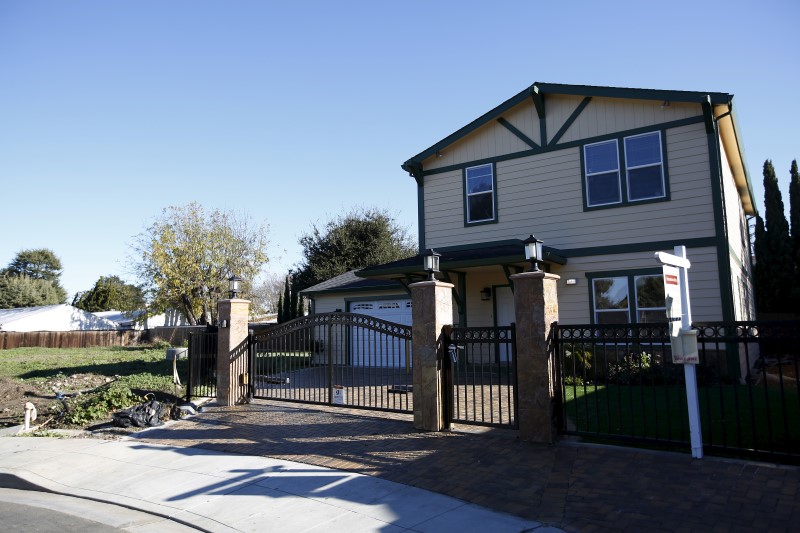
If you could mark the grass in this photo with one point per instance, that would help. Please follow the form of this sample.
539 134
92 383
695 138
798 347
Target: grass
273 363
732 416
45 363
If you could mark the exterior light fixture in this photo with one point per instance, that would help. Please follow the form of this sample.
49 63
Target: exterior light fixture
486 294
533 252
431 264
234 286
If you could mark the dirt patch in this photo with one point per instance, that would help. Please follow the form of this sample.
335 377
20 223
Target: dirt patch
44 394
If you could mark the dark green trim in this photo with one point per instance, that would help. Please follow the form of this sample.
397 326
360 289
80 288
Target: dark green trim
421 216
346 289
521 136
567 123
544 149
458 294
550 254
630 274
654 246
633 94
538 101
496 218
708 114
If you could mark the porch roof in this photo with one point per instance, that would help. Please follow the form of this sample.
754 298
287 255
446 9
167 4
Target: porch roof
460 257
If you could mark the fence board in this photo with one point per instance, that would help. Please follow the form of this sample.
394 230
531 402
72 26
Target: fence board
70 339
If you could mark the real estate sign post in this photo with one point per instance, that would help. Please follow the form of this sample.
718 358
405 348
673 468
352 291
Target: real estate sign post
682 337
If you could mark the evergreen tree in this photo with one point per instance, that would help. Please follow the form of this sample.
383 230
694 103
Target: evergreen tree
287 301
776 263
294 306
281 318
37 264
794 225
760 274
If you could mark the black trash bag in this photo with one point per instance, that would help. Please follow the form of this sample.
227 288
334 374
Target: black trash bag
144 415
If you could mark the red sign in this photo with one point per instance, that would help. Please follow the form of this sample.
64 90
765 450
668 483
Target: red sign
670 279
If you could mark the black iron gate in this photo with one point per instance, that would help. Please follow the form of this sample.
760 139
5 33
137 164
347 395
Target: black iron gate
335 358
481 375
202 380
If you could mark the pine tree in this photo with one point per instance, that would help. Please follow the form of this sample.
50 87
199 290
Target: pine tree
776 263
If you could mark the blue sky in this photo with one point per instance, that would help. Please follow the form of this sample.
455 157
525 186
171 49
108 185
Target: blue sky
291 112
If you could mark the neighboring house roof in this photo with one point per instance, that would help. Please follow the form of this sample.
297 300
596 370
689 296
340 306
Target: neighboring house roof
717 107
349 282
60 317
120 317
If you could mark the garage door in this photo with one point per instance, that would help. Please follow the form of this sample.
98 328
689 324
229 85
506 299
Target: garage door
367 348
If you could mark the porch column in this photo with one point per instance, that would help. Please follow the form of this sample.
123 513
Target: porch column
535 309
231 364
432 309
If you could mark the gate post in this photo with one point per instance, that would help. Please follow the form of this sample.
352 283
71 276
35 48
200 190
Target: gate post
535 309
233 330
432 309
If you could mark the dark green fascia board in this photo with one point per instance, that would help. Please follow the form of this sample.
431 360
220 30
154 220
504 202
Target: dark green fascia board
537 92
415 171
708 114
551 255
469 128
653 246
634 94
521 136
567 123
551 148
623 272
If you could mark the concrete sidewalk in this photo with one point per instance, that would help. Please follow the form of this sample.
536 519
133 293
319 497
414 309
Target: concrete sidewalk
156 487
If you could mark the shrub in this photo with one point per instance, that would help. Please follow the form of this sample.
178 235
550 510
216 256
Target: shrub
100 403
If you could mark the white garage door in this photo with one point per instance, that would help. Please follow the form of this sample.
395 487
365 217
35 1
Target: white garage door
370 348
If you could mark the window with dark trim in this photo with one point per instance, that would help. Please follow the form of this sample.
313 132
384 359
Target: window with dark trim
625 298
479 187
645 177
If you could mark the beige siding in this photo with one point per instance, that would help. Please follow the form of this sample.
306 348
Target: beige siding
573 300
543 194
610 115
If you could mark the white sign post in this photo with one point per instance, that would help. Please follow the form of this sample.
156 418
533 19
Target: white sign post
682 337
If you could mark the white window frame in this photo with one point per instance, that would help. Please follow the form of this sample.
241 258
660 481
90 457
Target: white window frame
597 311
490 192
660 164
636 296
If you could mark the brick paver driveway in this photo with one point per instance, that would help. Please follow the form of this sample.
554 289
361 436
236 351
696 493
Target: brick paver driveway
574 486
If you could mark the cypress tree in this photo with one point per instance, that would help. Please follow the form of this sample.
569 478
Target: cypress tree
280 309
794 225
293 305
287 301
778 263
763 302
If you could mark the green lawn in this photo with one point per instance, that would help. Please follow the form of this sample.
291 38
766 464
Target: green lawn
734 416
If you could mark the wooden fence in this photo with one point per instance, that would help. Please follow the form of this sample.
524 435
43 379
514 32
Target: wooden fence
70 339
176 336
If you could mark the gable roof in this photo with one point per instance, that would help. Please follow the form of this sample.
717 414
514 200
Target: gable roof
716 106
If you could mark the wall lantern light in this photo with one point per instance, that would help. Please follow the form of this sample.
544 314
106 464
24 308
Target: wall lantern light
234 286
486 294
533 252
572 281
431 264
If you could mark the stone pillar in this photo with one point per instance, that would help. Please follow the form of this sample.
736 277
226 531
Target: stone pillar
232 363
535 308
432 309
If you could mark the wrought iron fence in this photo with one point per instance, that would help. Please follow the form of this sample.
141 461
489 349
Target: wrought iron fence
335 358
202 380
618 382
483 376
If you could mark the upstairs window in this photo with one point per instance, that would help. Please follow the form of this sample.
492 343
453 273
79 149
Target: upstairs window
480 194
643 163
643 169
602 173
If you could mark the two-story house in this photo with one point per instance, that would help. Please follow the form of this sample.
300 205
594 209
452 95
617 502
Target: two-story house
604 177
